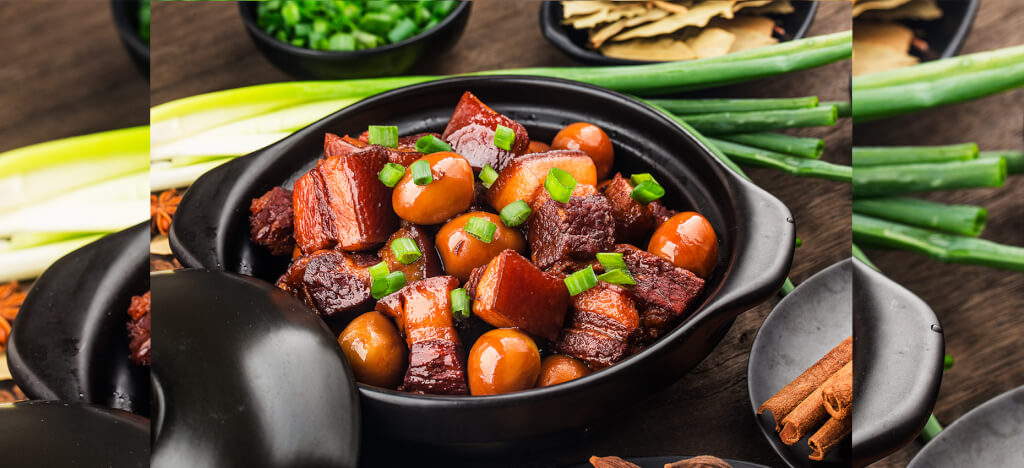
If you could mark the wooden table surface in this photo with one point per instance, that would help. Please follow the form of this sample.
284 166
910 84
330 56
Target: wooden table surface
203 47
979 307
64 72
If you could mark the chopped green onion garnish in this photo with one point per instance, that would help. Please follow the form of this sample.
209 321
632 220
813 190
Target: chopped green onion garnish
460 303
421 174
611 261
481 228
395 281
637 179
403 29
384 135
405 250
379 287
391 174
504 137
379 270
559 184
581 281
617 276
647 192
515 213
488 175
431 144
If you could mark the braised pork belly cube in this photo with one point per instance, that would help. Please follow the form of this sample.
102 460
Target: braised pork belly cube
634 221
342 203
404 154
578 230
428 265
335 284
471 134
512 292
659 285
139 329
423 312
660 212
604 325
270 221
524 177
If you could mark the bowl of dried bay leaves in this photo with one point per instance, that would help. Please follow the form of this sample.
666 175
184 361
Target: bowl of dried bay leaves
889 34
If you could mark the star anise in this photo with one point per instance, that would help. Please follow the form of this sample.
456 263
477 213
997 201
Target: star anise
161 210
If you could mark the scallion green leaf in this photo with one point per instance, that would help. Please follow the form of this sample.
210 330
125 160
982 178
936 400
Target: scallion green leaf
430 144
559 184
647 191
460 303
504 137
488 175
405 250
481 228
617 276
611 261
384 135
391 174
421 174
581 281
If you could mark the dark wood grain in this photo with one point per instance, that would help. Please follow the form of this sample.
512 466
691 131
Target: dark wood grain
203 47
64 72
979 307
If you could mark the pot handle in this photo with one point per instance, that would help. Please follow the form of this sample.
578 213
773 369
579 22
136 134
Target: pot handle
764 253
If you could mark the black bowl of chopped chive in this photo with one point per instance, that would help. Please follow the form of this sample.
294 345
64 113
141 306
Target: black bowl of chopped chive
350 39
131 17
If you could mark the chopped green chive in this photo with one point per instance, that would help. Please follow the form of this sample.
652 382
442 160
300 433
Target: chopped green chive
647 191
488 175
430 144
637 179
611 261
395 281
379 270
391 174
617 276
481 228
581 281
403 29
421 174
504 137
460 303
559 184
384 135
384 285
405 250
515 213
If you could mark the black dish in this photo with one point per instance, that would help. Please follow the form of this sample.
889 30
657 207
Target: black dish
661 461
802 327
893 404
69 342
990 435
126 19
62 434
246 375
211 230
946 35
573 42
387 60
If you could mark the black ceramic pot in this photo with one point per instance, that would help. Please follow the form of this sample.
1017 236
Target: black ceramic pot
126 19
62 434
211 230
573 42
69 341
387 60
945 36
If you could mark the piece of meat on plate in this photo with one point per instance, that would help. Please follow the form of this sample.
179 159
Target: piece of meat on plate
423 312
471 134
604 325
576 230
270 221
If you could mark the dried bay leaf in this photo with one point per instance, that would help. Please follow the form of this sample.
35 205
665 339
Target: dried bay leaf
712 42
869 57
660 50
583 7
599 36
699 15
916 10
777 7
867 5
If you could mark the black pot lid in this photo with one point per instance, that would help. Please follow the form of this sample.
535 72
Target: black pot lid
661 461
70 342
989 435
246 375
65 434
803 327
898 352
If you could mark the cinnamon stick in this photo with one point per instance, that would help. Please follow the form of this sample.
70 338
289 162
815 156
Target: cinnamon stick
787 399
837 392
828 437
806 416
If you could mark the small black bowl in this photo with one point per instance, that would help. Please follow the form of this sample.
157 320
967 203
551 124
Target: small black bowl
58 433
990 435
387 60
945 36
126 18
211 230
573 42
69 341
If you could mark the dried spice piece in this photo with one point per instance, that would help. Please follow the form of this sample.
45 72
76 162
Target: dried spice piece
12 395
11 297
157 263
703 461
5 331
611 462
161 210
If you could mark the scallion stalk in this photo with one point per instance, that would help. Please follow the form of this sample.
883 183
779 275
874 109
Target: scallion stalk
711 106
1014 159
800 167
956 219
797 146
885 155
22 264
744 122
877 181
